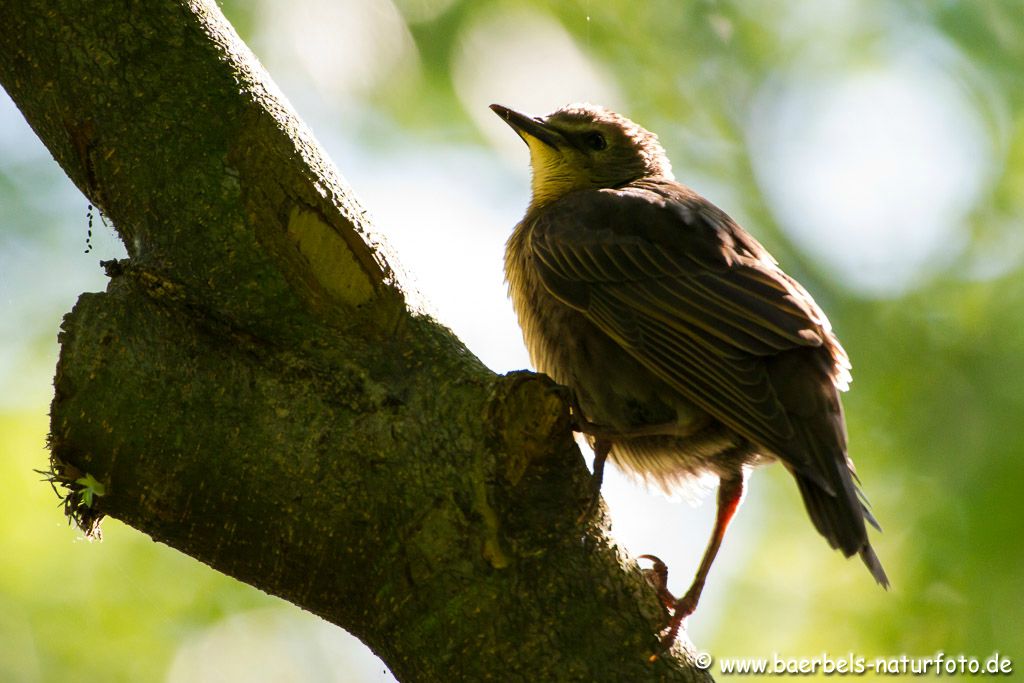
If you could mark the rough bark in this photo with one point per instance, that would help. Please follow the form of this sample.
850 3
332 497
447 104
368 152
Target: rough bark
253 389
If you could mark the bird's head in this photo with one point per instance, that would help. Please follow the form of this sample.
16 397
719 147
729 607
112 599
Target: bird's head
583 146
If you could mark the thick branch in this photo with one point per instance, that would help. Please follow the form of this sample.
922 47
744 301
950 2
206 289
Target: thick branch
252 390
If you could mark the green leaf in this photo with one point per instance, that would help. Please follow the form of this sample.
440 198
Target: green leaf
90 487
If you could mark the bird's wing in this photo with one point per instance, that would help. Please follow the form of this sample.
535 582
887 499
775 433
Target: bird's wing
690 295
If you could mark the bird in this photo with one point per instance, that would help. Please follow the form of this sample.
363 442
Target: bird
687 351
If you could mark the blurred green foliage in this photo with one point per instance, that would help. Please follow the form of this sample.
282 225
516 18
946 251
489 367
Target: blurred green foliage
934 414
110 611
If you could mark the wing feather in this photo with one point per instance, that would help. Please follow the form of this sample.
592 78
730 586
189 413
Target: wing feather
682 289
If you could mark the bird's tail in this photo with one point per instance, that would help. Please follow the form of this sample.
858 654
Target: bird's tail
840 517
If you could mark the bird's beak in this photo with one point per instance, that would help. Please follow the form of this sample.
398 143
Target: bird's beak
526 126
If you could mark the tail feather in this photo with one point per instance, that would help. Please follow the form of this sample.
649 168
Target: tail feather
867 553
840 519
865 509
818 459
832 518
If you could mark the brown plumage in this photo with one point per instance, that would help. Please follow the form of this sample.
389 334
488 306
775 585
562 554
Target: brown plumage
689 351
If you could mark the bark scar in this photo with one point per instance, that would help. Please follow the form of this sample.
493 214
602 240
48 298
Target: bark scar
529 415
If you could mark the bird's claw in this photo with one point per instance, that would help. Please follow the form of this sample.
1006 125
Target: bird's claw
657 576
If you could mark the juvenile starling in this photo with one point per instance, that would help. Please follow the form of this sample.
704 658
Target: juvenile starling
687 349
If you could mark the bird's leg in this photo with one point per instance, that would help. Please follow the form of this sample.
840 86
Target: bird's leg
602 445
730 494
602 438
601 449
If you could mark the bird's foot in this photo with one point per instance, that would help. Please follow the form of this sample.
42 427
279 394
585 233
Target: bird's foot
657 576
683 608
680 608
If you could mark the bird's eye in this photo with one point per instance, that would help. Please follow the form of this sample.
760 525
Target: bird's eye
595 141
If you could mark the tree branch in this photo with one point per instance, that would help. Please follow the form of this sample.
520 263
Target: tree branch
253 390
